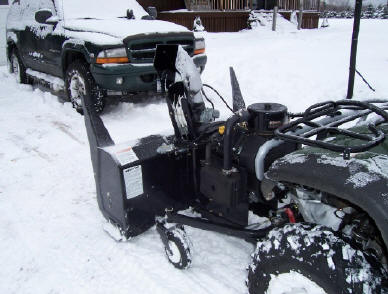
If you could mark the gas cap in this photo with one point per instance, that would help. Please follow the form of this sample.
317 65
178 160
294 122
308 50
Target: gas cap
267 117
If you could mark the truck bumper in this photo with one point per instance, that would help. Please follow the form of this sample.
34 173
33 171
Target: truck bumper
132 77
125 77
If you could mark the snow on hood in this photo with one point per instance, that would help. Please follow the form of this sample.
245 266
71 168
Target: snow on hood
122 27
101 9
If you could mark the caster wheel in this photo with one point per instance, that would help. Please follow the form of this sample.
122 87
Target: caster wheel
178 249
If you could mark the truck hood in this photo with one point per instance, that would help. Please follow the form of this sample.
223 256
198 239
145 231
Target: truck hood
121 28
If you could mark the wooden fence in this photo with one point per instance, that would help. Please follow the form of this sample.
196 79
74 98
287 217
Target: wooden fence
312 5
200 5
213 21
216 20
231 4
310 20
163 5
229 21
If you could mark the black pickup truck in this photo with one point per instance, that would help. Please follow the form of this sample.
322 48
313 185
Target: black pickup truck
91 46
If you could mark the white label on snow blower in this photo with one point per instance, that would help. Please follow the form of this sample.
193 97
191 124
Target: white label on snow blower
133 178
126 156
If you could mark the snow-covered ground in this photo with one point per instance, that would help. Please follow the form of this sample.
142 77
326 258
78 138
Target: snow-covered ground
51 239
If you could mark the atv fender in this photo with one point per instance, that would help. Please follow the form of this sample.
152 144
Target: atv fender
361 180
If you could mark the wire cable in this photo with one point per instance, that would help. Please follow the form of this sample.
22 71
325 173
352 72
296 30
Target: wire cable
365 81
207 98
219 95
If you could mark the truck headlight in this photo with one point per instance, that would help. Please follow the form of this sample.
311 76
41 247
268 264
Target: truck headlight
199 46
117 55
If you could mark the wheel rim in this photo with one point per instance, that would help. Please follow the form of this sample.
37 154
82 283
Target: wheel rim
174 255
15 67
77 90
293 283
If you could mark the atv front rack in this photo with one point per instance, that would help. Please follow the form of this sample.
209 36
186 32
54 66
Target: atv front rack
334 114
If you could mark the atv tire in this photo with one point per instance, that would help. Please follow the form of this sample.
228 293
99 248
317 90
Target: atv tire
17 68
179 249
79 81
319 255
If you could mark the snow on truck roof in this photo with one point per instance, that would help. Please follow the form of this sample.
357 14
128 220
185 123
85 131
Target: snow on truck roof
101 9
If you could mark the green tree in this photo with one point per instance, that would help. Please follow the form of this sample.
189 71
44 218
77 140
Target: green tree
385 13
369 11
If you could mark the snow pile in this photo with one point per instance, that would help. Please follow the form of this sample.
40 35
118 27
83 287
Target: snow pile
100 9
363 171
96 21
293 282
197 25
361 179
121 27
261 20
57 84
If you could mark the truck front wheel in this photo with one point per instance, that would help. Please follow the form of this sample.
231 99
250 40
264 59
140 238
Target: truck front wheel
17 68
80 82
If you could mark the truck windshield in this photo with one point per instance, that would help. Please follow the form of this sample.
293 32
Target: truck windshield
99 9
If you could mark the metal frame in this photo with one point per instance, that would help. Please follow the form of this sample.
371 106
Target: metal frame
207 225
330 110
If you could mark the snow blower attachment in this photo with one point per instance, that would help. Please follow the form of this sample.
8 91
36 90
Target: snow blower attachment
209 165
212 174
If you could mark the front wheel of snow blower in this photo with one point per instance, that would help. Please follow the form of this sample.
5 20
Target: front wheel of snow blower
178 248
317 257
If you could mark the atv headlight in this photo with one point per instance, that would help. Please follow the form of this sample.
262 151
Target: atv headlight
117 55
199 46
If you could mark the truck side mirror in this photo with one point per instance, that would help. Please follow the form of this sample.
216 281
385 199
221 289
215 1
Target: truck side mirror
45 16
152 12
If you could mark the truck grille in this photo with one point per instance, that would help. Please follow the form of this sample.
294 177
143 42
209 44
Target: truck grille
144 51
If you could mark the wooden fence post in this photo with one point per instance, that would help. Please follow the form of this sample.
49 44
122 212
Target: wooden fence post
300 18
275 15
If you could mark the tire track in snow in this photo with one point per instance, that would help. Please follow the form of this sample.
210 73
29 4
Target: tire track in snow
20 142
66 129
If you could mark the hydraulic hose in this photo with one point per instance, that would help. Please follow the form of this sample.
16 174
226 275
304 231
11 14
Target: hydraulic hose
239 117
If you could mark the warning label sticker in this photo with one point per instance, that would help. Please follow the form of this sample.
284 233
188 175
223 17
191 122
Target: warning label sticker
126 156
133 178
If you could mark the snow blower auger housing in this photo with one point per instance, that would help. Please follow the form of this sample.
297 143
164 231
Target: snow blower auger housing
264 161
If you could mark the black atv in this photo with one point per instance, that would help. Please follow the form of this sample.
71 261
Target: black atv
319 177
